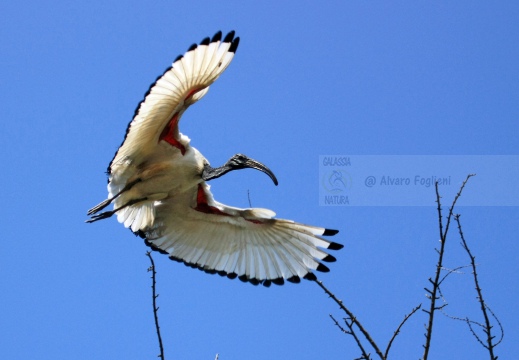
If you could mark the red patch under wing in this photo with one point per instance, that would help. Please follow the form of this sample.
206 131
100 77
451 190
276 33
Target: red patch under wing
254 221
171 129
203 206
168 134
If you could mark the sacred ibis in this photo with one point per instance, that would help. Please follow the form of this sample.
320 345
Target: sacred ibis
157 184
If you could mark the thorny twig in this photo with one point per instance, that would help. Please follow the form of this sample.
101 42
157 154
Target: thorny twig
436 283
451 271
397 331
351 331
487 328
352 318
155 308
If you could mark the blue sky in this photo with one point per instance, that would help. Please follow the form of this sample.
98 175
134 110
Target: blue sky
309 79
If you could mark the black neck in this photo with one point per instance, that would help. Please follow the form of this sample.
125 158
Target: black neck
210 173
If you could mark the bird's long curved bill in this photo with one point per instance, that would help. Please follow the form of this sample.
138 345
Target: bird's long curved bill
253 164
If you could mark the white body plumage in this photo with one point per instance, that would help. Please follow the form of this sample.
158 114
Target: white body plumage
157 185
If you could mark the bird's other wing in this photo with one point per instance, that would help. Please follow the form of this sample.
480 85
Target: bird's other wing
185 82
246 243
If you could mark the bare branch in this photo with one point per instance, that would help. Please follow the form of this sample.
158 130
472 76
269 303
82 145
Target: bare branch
469 323
451 209
351 331
436 283
487 329
453 271
499 323
348 332
155 308
397 331
352 317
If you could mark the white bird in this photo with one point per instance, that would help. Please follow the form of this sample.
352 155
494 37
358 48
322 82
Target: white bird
158 187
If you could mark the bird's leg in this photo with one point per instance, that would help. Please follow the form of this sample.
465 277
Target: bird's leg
107 202
107 214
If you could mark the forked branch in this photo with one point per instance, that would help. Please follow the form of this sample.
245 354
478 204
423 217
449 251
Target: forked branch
352 318
433 294
351 331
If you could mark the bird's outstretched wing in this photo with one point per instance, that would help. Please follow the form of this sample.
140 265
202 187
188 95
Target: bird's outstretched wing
245 243
185 82
182 219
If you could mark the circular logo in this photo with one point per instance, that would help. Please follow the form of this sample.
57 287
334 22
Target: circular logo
336 181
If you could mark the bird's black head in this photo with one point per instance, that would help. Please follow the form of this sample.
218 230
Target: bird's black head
238 161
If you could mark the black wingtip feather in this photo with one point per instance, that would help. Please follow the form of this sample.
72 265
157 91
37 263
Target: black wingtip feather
329 258
234 46
229 37
330 232
322 268
335 246
217 37
266 282
192 47
294 279
310 276
278 281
